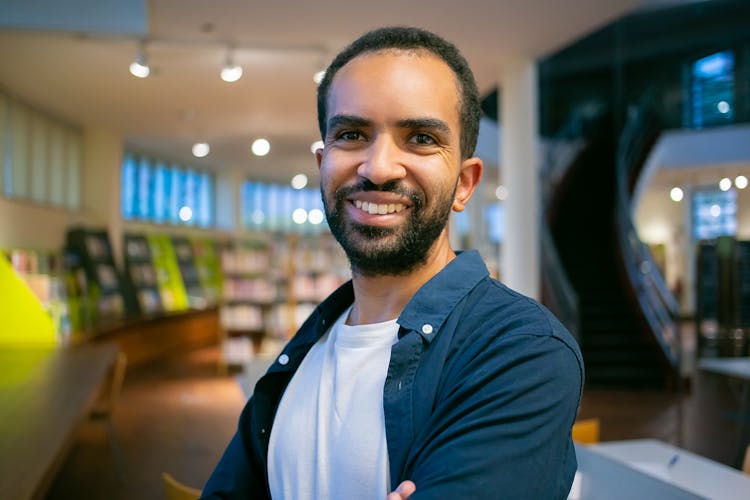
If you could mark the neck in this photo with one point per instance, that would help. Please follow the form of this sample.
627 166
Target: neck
382 298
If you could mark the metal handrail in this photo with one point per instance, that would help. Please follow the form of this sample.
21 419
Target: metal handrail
564 299
560 153
656 301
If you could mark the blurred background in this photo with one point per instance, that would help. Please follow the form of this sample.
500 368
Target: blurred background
159 194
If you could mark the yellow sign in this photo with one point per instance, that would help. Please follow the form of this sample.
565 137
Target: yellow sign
23 320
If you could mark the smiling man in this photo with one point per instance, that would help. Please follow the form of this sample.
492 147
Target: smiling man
422 378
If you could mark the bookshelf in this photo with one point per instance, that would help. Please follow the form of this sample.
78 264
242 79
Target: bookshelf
89 251
271 285
141 274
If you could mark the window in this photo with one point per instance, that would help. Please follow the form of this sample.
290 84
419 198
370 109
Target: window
40 156
712 90
152 190
494 214
282 208
714 214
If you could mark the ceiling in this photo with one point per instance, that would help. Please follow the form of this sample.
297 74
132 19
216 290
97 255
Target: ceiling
84 78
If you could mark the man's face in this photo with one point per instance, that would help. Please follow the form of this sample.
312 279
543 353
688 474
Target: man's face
391 159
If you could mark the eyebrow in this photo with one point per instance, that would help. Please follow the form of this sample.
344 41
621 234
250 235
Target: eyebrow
424 124
337 121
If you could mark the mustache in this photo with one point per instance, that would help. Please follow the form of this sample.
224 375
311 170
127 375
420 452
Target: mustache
395 186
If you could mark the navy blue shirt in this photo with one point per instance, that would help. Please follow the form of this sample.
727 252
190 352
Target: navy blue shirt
481 393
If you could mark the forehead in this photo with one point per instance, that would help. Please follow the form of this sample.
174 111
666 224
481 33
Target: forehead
406 82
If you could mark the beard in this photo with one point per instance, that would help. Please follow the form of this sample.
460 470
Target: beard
388 251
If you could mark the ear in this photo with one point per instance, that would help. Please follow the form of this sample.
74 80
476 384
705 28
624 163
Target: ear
319 156
468 178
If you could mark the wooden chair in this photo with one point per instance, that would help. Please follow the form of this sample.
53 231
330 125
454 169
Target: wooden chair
107 399
586 431
176 490
104 406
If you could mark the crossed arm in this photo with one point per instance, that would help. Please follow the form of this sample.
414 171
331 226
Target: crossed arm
502 427
403 492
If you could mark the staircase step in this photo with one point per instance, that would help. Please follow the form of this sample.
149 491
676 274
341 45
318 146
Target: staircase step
614 352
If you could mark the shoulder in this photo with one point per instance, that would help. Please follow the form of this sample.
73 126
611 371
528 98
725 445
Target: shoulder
495 316
513 313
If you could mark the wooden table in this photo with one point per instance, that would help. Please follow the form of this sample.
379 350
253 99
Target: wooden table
45 393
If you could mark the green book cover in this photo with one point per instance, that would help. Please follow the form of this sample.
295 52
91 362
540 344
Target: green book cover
206 254
171 288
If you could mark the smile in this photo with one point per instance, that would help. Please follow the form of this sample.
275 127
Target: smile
379 208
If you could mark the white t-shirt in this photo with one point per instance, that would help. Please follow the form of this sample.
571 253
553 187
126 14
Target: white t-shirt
328 436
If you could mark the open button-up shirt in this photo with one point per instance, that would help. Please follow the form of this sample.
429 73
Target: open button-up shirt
481 393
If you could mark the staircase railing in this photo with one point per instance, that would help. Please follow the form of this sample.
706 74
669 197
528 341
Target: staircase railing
656 302
559 154
558 292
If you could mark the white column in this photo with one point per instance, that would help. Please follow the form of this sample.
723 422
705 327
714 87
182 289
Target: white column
519 165
690 282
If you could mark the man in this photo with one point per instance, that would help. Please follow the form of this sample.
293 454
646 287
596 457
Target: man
422 377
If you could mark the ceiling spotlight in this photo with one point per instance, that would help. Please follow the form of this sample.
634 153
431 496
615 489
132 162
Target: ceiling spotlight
185 213
231 72
261 147
676 194
299 216
258 217
315 216
725 184
201 149
740 182
299 181
139 67
315 146
318 76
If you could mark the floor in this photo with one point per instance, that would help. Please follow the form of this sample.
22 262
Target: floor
178 415
175 416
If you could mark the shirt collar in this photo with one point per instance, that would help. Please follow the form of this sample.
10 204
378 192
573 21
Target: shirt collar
316 325
434 301
428 308
332 307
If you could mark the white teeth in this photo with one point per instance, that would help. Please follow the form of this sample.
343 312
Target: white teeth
382 209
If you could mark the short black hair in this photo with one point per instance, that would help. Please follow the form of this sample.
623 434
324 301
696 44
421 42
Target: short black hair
412 39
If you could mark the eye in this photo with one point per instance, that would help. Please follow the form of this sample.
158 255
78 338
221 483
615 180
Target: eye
350 135
423 139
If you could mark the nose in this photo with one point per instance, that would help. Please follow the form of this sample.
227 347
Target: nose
384 161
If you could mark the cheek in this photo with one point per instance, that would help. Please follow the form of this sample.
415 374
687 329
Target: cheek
335 167
326 172
438 179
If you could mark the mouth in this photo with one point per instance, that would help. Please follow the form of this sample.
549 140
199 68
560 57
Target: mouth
378 208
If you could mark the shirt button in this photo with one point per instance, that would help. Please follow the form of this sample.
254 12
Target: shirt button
283 359
426 329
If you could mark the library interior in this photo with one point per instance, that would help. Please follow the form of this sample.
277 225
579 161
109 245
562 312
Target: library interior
162 233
